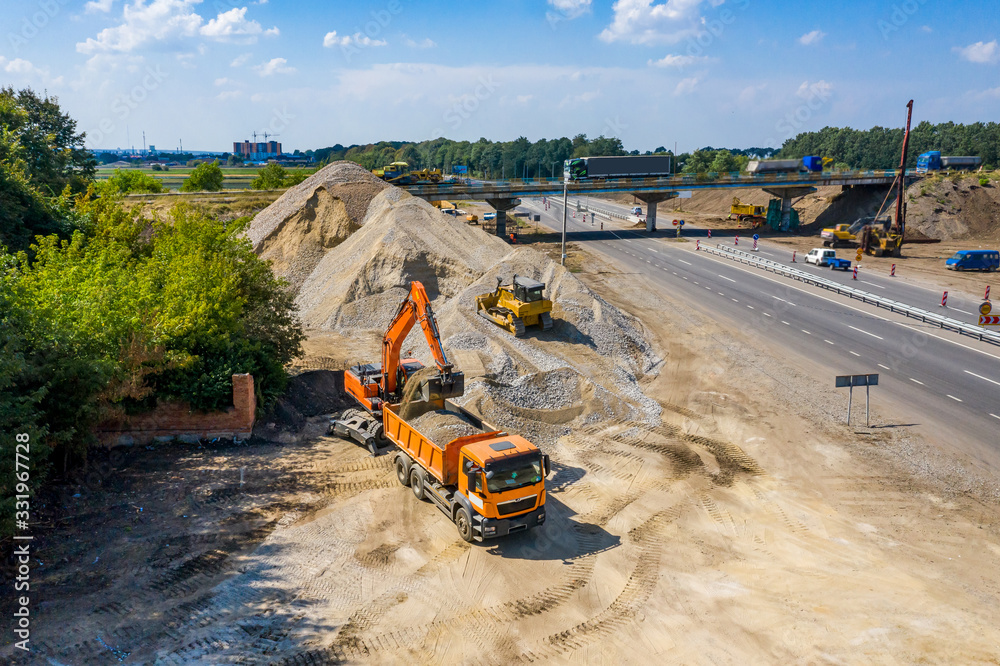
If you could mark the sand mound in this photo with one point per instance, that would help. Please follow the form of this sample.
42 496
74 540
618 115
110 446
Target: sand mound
318 214
955 209
359 284
443 425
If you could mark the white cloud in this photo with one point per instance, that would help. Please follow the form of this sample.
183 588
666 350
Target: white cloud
274 66
686 86
166 21
677 61
241 60
27 70
984 53
426 43
810 38
820 89
98 6
926 28
224 81
643 22
357 39
227 95
234 26
571 8
157 20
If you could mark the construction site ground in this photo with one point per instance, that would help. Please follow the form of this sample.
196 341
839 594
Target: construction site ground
747 525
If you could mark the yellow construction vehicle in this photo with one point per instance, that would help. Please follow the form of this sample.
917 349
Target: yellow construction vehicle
517 305
754 215
838 235
878 242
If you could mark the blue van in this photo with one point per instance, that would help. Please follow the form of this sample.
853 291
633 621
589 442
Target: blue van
974 260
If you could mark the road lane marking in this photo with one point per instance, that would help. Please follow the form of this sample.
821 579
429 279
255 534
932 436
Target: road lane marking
884 367
766 314
866 332
785 323
806 332
684 276
856 354
734 300
725 278
751 307
684 262
720 293
652 250
994 415
981 377
877 286
962 311
916 381
954 398
829 342
696 282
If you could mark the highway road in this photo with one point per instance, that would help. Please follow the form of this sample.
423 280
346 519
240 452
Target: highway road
936 378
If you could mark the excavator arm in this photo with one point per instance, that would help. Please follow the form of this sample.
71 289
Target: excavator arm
417 308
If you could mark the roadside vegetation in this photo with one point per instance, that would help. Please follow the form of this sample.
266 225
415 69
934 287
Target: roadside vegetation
104 312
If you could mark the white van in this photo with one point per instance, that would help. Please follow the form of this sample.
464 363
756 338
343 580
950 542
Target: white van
820 256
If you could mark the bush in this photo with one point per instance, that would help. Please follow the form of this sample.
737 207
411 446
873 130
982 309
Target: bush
130 181
271 177
984 181
206 177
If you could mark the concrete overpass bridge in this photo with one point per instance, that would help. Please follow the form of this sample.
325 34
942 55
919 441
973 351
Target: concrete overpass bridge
503 195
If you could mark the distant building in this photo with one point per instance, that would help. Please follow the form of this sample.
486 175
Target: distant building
257 151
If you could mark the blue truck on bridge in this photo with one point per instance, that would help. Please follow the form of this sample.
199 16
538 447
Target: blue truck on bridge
934 161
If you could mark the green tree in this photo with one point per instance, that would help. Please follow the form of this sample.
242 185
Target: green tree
206 177
126 182
271 177
52 150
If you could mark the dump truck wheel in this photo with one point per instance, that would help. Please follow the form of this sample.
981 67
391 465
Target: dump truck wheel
402 471
417 483
463 521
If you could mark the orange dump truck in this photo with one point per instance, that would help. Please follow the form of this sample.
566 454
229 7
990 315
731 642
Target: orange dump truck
490 484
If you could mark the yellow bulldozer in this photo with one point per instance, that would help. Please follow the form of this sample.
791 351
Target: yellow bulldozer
517 305
879 242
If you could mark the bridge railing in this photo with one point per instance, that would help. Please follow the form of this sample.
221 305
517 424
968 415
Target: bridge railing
947 323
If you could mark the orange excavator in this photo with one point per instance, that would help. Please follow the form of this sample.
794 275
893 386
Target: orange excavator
376 385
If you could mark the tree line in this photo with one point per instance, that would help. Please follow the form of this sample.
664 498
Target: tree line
880 147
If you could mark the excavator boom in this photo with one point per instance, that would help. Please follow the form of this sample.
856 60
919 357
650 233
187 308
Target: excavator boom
417 308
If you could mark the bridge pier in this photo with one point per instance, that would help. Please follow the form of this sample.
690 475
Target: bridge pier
651 199
501 206
786 194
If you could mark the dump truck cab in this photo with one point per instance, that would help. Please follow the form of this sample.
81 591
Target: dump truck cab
490 484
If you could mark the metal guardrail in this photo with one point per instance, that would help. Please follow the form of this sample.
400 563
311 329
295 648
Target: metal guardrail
600 211
947 323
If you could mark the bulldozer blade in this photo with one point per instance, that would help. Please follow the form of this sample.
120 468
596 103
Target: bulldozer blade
439 388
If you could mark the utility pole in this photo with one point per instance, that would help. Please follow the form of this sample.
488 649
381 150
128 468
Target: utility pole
565 206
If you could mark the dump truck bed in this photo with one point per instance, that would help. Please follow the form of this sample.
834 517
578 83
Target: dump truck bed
439 459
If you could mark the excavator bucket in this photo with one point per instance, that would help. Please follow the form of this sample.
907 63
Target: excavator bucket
441 387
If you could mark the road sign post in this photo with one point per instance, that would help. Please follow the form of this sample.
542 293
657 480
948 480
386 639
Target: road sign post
565 205
850 381
755 239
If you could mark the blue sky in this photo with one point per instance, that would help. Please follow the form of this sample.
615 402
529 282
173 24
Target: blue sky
735 73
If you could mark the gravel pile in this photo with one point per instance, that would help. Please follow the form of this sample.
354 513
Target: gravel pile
553 389
354 184
443 425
